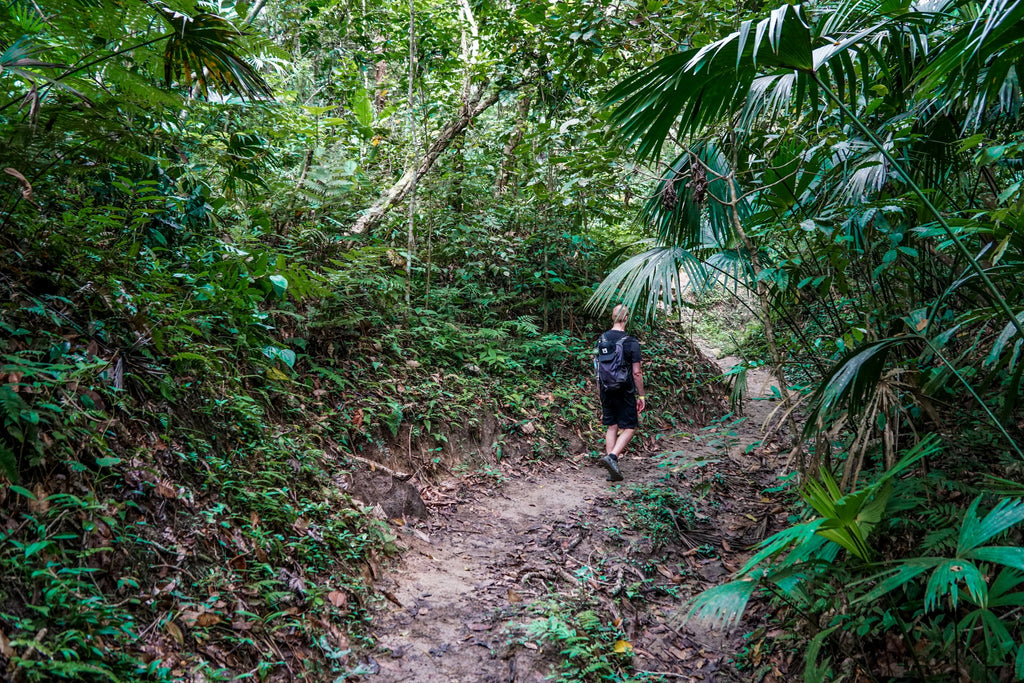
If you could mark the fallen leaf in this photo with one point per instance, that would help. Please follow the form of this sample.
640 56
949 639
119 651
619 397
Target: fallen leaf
475 626
5 646
514 597
275 374
725 546
622 646
207 619
165 490
174 632
338 598
530 646
241 625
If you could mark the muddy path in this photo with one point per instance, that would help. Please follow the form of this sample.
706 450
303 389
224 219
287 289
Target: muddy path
501 553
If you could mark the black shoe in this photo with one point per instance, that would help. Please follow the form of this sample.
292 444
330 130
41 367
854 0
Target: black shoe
611 463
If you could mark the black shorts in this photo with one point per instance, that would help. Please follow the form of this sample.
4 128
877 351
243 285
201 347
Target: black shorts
619 408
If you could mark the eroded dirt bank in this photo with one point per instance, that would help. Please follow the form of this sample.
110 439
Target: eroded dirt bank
496 556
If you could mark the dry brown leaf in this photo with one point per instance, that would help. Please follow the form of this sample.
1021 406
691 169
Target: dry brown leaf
207 619
165 489
40 505
530 646
476 626
189 617
338 598
175 632
514 597
5 646
242 625
26 186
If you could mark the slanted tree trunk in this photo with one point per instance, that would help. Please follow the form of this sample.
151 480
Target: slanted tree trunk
477 105
518 130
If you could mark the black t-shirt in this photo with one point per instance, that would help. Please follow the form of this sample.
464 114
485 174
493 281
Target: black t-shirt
630 350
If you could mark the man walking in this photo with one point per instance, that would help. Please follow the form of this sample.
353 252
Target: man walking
620 384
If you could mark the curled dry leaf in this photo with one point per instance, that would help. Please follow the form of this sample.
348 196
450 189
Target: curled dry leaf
26 186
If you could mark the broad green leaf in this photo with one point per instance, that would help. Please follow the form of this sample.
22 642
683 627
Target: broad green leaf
23 491
280 283
362 107
36 547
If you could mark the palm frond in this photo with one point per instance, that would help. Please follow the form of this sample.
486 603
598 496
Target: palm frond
203 53
945 580
849 385
722 606
976 531
649 279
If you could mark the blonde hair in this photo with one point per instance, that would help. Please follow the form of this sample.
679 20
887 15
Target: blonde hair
620 314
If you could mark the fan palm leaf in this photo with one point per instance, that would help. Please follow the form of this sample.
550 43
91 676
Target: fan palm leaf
649 279
203 53
848 387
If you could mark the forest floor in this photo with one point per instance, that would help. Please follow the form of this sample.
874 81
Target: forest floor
552 538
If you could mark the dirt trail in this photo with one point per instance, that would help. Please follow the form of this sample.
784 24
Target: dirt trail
475 573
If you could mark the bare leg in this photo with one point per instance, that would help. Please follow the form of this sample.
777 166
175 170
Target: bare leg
621 440
610 438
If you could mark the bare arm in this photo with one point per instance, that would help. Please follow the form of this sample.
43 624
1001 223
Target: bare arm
638 381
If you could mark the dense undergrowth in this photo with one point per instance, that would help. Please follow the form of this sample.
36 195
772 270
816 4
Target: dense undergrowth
175 422
194 346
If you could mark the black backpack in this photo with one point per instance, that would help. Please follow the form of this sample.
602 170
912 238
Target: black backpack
610 365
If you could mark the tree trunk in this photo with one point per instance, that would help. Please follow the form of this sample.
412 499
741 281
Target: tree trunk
467 112
380 74
505 170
